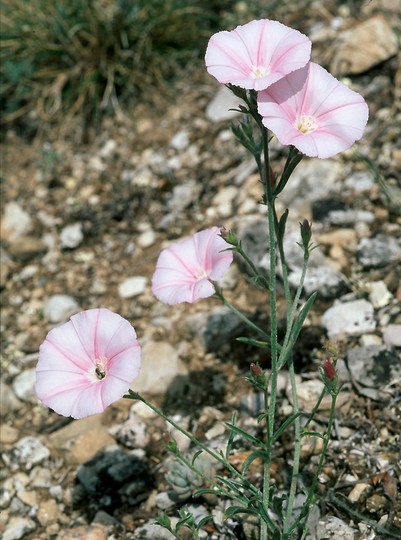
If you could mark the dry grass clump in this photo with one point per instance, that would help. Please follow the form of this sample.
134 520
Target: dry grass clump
63 57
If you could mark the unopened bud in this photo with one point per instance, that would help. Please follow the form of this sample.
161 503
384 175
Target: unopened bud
255 370
306 233
329 369
170 443
229 236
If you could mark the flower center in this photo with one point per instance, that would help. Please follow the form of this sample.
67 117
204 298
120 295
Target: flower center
201 274
257 72
306 124
100 368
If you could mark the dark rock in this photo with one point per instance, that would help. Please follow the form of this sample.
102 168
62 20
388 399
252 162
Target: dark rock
322 208
108 472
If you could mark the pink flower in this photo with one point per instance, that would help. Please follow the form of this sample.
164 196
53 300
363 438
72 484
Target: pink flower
184 271
313 111
87 363
257 54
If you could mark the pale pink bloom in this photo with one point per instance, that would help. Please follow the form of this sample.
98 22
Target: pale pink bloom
257 54
185 270
313 111
87 363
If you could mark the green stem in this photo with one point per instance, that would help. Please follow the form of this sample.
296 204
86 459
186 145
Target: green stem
239 314
308 504
257 275
270 405
315 408
297 448
221 490
287 344
218 457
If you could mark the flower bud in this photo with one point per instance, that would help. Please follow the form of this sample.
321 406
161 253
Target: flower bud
170 442
329 369
229 236
306 233
255 370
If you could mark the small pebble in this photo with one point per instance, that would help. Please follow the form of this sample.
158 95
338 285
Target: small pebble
71 236
60 307
133 286
18 527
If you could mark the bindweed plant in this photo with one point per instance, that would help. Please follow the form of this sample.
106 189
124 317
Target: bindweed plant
90 361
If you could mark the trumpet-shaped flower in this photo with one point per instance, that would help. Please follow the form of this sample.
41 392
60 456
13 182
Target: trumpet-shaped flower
185 270
313 111
87 363
257 54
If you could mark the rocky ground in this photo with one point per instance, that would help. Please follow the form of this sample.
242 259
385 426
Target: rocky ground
82 226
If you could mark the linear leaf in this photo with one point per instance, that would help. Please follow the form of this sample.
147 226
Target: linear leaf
285 425
245 434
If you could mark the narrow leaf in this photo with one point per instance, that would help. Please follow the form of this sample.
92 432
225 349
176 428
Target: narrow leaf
285 425
281 225
254 342
230 512
251 458
245 434
313 434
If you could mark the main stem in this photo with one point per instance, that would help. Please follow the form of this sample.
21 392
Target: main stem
270 403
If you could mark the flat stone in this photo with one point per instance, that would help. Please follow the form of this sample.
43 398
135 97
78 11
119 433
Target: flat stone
304 186
392 335
379 295
48 512
333 528
132 433
84 532
8 434
8 400
152 531
81 439
18 527
30 498
374 366
60 307
353 318
160 367
359 181
15 222
378 251
132 286
25 248
222 105
24 386
183 196
28 452
363 46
